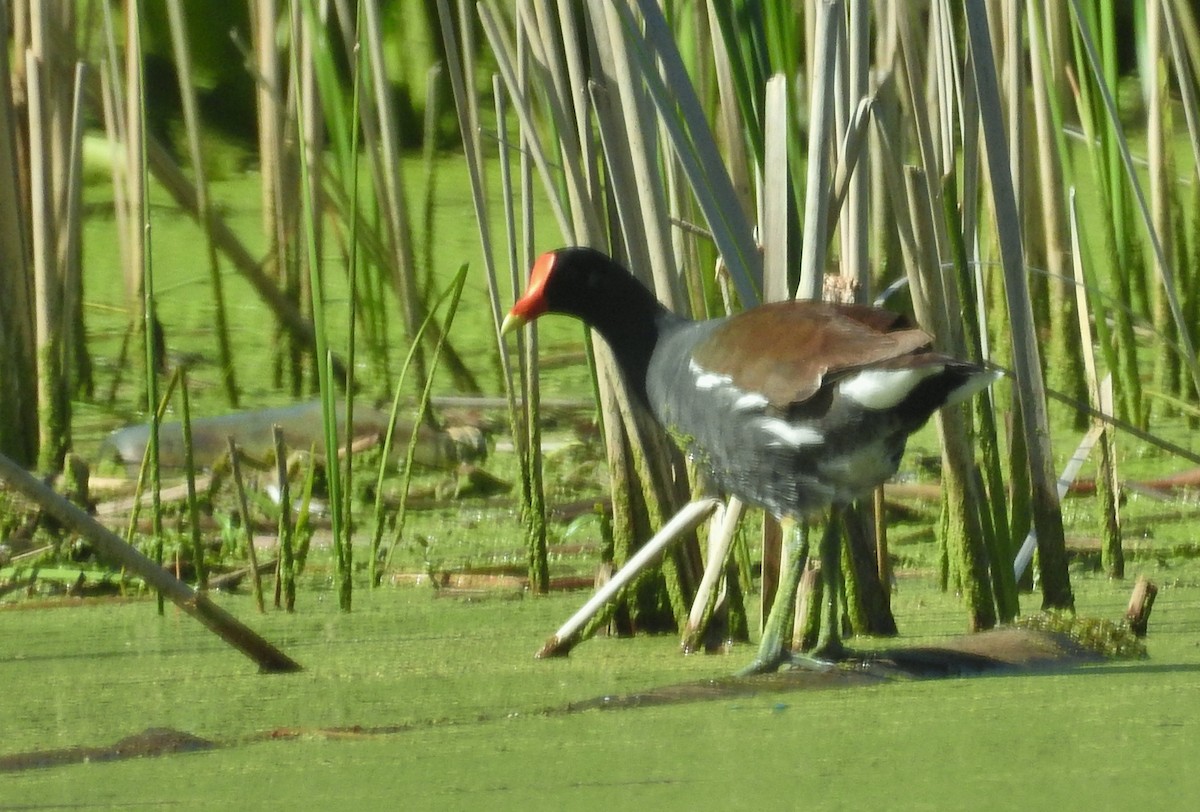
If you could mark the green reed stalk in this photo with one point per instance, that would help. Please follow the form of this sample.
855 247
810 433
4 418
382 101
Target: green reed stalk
235 466
1113 230
189 465
374 573
144 467
1063 363
396 221
429 153
351 167
303 530
18 416
1107 490
681 115
191 118
285 580
526 429
460 67
140 238
816 204
989 496
1163 265
758 41
455 293
310 162
1164 204
1047 511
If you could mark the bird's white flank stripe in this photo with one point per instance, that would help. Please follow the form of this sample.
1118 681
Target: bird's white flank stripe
750 402
705 379
884 388
793 435
710 381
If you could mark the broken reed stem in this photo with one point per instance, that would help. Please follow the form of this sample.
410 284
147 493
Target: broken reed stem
682 523
1137 615
772 566
720 539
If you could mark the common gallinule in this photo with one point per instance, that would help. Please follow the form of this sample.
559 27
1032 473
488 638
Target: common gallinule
792 406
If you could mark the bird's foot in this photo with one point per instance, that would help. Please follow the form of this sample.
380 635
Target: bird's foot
829 651
811 662
761 664
789 659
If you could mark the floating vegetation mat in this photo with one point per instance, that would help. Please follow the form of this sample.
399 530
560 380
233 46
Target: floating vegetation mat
1112 640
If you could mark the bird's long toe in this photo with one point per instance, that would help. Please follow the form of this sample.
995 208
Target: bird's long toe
768 664
789 660
829 652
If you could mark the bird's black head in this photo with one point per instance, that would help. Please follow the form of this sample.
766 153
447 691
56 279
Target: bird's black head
584 283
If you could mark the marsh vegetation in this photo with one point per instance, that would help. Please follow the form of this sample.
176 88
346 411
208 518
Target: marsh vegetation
222 223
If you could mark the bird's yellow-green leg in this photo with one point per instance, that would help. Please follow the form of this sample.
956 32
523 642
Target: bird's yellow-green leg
829 638
773 649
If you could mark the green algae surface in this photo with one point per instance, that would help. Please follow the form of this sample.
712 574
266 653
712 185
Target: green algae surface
414 701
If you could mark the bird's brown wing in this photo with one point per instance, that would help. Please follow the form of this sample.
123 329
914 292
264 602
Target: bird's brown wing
785 350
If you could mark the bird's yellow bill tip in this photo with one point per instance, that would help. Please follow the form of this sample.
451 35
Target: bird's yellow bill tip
511 323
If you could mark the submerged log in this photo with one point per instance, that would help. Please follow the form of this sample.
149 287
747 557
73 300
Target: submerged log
302 429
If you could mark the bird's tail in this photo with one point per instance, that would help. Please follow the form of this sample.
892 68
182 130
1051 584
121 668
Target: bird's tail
975 380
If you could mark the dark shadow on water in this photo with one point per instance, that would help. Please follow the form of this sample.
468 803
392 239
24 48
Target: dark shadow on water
155 741
998 653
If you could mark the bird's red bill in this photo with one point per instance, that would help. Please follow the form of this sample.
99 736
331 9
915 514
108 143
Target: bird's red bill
533 303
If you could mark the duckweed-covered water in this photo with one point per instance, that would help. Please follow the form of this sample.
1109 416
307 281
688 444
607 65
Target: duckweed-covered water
416 701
